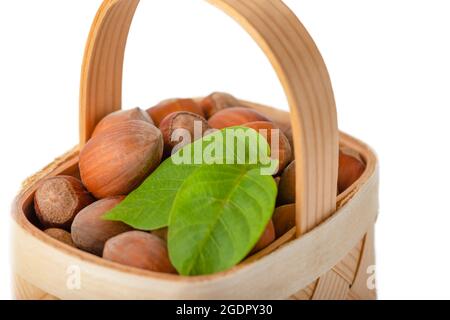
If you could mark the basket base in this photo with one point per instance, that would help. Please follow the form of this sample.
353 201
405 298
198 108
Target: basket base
23 290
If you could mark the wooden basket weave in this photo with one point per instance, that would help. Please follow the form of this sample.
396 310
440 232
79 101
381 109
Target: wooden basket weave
330 253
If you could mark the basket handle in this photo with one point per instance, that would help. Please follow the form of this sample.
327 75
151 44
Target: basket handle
297 63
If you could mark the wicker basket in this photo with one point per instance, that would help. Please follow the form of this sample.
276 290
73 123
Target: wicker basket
330 253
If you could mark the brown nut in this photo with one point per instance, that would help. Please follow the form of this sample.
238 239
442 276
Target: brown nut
266 239
277 181
140 250
216 102
286 189
284 219
180 129
350 169
118 160
119 117
236 116
58 200
164 108
61 235
289 135
90 231
283 152
161 233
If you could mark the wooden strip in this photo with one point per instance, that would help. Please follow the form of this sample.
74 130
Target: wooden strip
331 286
278 21
352 295
101 79
349 265
23 290
364 280
306 293
346 269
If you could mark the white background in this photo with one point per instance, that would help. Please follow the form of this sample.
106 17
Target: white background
390 66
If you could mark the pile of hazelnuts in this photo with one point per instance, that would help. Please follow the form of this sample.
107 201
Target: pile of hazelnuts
125 148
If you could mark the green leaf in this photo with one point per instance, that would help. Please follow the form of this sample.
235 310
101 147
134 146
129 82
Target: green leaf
149 206
218 216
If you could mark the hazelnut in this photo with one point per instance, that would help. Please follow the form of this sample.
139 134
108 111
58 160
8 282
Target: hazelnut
284 219
61 235
164 108
118 160
284 148
286 189
236 116
180 129
216 102
350 170
121 116
139 250
58 200
277 181
161 233
90 231
289 135
266 239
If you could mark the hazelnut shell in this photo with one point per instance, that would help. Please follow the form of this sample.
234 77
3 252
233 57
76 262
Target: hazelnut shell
118 160
216 102
266 239
284 147
161 233
119 117
186 121
236 116
60 235
90 231
165 108
286 188
139 250
350 170
58 200
289 135
284 219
